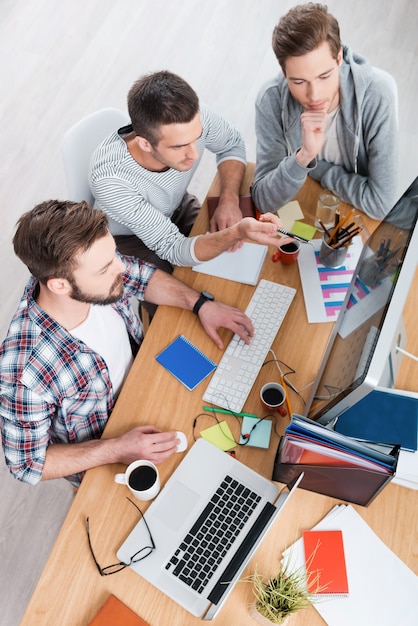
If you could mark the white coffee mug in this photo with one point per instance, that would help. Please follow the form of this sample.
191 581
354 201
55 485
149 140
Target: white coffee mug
142 479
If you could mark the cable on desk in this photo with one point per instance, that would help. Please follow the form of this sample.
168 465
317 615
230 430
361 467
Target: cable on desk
411 356
246 436
283 377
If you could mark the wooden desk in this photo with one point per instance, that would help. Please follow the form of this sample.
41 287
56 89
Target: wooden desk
70 590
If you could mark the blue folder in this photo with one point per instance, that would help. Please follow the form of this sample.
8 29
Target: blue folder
382 416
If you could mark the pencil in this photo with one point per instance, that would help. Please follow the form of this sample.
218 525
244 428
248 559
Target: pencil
289 406
341 223
325 229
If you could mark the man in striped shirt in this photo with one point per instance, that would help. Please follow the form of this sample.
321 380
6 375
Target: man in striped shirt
140 174
68 348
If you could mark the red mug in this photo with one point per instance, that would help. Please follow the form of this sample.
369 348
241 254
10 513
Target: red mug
287 252
273 397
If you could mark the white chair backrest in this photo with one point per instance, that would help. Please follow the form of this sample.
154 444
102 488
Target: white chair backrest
78 145
391 85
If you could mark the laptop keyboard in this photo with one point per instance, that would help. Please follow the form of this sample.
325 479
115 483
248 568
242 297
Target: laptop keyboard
240 364
208 541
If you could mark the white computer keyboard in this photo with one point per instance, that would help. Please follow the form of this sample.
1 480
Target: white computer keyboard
241 363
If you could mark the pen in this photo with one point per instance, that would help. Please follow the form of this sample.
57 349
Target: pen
285 232
226 412
345 241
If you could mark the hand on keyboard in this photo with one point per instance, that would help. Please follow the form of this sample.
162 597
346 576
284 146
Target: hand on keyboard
214 315
242 360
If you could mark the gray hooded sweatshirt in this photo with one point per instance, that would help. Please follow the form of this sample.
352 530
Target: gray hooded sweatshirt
367 131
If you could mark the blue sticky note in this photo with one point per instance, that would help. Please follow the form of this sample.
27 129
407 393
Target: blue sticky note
259 431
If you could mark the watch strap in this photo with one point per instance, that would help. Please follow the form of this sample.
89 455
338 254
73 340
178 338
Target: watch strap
200 301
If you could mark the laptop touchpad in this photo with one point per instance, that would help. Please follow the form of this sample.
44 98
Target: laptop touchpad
175 504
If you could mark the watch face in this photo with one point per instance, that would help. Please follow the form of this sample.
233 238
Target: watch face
207 295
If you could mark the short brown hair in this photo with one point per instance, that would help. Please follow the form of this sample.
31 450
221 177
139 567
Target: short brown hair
159 99
303 29
49 237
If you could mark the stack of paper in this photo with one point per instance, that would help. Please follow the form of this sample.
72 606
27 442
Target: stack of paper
383 591
324 288
407 470
332 463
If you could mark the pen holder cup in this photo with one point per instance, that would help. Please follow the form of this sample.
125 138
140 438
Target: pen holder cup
329 256
371 272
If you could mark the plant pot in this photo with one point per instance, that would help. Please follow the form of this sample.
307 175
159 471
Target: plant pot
264 621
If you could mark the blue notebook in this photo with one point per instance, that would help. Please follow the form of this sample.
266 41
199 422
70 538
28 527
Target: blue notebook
383 417
186 362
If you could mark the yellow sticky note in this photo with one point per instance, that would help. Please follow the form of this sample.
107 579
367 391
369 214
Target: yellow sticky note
290 211
220 435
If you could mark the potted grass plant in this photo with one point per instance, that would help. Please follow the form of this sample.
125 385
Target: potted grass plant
279 597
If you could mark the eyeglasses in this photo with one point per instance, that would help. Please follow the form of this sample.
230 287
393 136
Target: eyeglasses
138 556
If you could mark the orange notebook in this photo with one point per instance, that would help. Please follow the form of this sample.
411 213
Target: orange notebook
325 562
116 613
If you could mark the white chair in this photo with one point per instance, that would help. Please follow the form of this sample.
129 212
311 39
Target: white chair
78 145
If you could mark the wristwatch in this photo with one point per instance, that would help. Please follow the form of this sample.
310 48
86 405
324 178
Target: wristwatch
204 297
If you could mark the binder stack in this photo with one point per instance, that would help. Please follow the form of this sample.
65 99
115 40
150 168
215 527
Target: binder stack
333 464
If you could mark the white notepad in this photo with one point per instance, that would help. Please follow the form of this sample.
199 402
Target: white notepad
383 590
244 265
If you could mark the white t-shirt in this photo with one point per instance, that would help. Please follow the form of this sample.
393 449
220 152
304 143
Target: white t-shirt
104 331
331 151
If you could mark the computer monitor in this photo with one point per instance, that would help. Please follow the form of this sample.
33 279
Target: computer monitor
355 390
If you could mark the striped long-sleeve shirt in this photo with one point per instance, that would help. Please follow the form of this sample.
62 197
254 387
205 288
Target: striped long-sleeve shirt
142 202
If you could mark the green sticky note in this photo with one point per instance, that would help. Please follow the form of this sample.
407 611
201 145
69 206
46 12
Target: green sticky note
220 435
303 230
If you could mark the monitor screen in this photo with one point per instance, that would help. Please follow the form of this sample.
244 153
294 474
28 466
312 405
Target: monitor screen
362 354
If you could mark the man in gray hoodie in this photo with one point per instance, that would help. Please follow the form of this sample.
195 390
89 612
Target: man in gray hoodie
330 116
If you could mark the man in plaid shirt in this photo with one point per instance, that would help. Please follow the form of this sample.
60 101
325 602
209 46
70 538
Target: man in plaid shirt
69 345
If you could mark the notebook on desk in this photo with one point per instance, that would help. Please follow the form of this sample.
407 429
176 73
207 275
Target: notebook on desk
206 524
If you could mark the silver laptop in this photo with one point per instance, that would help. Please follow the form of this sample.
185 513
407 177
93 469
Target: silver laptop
206 524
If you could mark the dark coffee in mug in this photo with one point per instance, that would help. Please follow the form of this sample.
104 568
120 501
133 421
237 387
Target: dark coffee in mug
289 247
142 478
272 396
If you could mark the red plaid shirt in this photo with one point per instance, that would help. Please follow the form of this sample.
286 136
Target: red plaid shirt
53 388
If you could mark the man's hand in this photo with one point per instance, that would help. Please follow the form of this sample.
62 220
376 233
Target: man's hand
214 315
142 442
314 124
226 214
145 442
263 230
